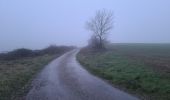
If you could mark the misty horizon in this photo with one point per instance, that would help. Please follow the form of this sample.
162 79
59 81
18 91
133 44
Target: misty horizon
38 24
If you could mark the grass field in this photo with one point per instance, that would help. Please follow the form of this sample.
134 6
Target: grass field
16 74
142 69
20 66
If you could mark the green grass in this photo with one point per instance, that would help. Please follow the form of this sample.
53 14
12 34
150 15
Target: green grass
133 75
15 75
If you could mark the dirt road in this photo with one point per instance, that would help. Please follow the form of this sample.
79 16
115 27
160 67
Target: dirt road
65 79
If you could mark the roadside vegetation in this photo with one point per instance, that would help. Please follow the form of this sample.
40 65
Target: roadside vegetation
18 67
141 69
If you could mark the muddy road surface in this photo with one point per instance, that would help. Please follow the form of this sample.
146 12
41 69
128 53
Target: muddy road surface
65 79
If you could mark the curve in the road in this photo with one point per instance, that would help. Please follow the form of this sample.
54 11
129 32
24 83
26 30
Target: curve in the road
65 79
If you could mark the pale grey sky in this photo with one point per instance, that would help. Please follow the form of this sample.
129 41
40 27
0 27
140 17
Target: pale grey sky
37 23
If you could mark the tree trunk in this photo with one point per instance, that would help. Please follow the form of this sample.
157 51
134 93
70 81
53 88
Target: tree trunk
100 43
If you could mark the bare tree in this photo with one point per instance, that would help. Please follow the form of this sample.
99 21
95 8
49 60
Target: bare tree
101 25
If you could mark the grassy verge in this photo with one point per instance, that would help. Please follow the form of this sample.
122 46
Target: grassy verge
15 75
132 75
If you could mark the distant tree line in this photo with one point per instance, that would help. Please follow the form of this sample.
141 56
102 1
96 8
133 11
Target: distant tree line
23 52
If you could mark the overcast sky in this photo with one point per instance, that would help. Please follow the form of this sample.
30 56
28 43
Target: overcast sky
37 23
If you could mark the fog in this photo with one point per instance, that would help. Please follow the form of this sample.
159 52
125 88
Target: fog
36 24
